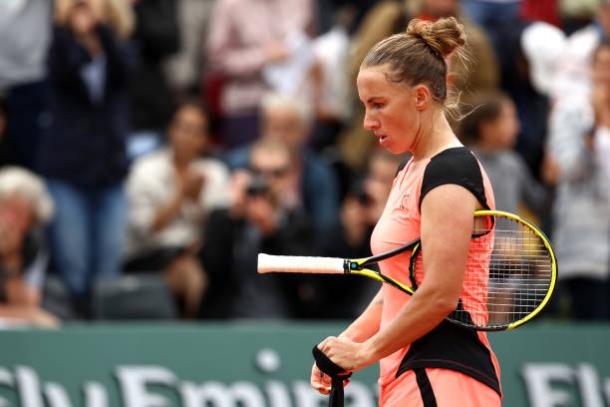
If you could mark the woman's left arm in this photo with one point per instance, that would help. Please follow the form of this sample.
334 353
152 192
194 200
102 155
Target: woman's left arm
446 227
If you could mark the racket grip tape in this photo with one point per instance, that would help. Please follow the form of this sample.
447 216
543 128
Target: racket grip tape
299 264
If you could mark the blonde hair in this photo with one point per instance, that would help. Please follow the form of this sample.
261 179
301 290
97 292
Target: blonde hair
16 181
117 13
420 54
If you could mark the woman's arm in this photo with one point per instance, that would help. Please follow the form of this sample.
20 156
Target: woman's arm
446 226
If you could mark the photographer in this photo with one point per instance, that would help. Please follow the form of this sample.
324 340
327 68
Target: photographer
256 222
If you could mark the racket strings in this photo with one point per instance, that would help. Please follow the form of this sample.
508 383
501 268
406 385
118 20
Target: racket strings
508 275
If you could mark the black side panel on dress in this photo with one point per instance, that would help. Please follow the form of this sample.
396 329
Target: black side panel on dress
449 346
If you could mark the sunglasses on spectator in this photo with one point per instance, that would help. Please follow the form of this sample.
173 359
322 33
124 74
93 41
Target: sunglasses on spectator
277 172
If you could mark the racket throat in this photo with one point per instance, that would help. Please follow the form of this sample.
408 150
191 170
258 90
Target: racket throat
349 266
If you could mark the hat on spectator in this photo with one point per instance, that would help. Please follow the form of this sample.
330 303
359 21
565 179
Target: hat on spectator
542 45
21 182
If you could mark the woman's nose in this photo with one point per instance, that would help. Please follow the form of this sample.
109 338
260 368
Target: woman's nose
370 123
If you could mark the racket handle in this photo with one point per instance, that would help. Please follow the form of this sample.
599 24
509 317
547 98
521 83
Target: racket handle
299 264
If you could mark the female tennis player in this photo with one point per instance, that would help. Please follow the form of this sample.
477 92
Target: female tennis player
424 360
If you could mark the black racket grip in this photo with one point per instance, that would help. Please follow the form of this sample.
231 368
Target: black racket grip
337 375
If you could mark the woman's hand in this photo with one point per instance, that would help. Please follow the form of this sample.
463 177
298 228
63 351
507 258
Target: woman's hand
346 353
321 382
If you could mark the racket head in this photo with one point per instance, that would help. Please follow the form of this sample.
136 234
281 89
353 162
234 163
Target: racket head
509 277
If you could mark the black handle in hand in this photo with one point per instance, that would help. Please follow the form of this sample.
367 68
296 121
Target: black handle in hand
336 373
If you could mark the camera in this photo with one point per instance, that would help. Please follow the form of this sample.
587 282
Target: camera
258 186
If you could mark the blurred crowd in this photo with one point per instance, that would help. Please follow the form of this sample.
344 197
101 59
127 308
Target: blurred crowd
150 149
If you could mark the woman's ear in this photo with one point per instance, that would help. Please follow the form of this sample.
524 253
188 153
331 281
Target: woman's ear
422 97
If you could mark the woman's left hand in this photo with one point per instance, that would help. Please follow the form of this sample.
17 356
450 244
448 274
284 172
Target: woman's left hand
346 353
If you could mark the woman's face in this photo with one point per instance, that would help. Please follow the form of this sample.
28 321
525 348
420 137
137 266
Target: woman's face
188 132
81 18
390 111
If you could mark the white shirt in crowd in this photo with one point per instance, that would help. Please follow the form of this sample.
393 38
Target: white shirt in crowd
151 185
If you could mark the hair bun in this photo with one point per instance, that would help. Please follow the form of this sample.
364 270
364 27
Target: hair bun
443 36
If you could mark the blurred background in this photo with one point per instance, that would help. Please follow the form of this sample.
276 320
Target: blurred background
150 149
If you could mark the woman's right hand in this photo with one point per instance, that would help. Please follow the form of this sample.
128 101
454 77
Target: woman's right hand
321 382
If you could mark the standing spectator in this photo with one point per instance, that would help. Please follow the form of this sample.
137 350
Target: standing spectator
573 74
313 184
187 66
245 37
25 29
83 156
530 62
491 130
171 193
329 81
578 142
156 38
257 222
25 206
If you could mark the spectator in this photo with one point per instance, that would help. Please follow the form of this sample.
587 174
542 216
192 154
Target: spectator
530 62
389 17
83 156
25 29
328 79
245 38
491 130
578 142
156 38
170 194
312 183
573 74
350 238
187 66
257 222
25 206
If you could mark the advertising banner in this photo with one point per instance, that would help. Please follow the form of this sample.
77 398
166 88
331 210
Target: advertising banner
264 365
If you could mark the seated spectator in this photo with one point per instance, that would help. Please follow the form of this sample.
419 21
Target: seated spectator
170 194
312 183
491 130
256 222
578 141
25 206
83 156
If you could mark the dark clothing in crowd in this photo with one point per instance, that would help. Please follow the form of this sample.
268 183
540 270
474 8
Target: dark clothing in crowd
86 141
156 38
236 289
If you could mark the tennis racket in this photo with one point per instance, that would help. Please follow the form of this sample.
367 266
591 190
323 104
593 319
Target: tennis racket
509 277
